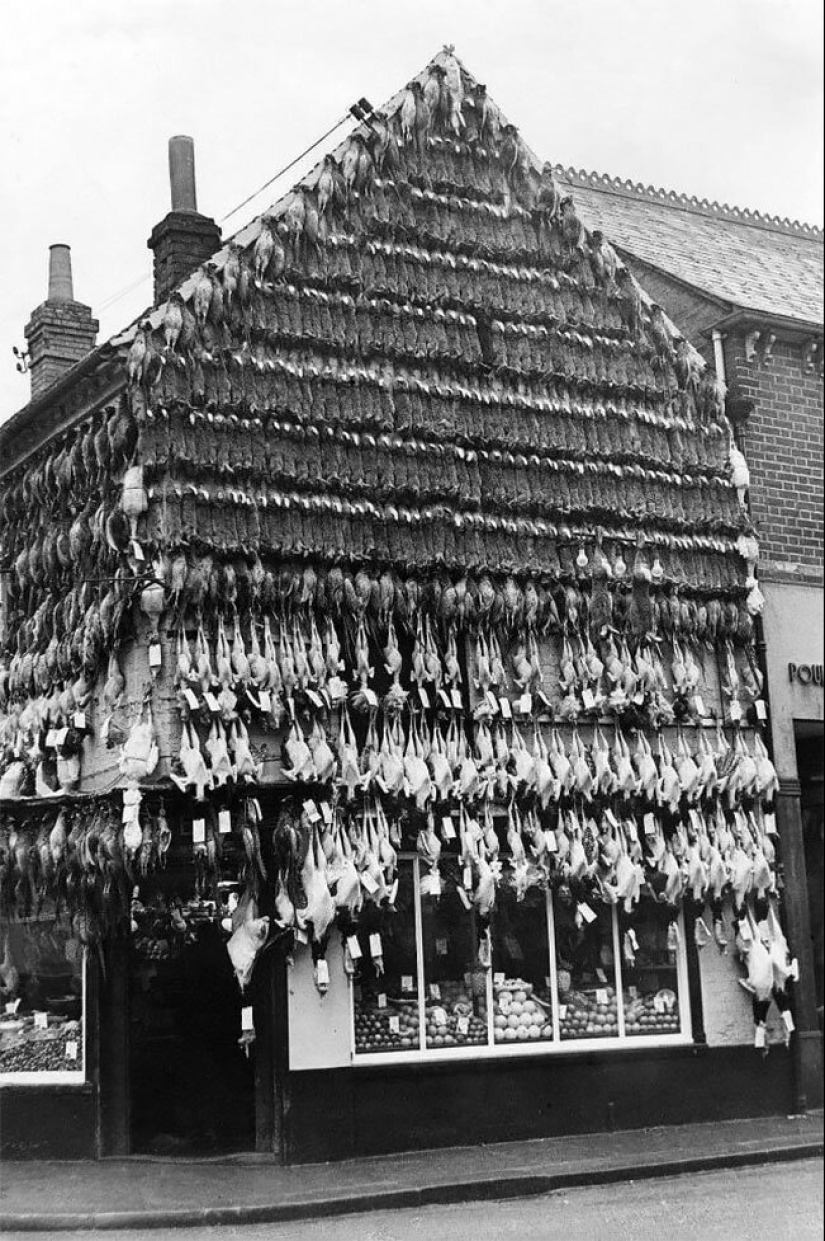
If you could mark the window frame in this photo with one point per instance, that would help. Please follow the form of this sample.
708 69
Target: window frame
551 1047
60 1077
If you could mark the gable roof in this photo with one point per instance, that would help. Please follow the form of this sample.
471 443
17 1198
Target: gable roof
755 262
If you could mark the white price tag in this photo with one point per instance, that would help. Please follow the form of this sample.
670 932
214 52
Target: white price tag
464 898
586 912
787 1017
41 1021
367 882
658 1004
301 937
376 950
315 699
395 1025
198 831
326 812
79 719
439 1015
224 822
601 996
191 699
745 932
562 1011
137 550
265 700
455 695
550 842
633 992
699 705
424 696
311 811
588 699
354 948
759 1039
369 695
505 708
71 1049
649 825
793 971
447 829
406 982
321 973
611 818
467 878
435 991
445 697
735 711
630 828
498 980
381 1000
462 1025
492 701
12 1006
525 704
155 655
761 709
51 738
247 1018
212 703
441 947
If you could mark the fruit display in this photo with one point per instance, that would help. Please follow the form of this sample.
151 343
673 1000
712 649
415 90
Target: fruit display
391 1028
519 1015
589 1014
455 1026
653 1013
25 1048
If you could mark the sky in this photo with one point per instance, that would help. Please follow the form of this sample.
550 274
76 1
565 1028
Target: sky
718 98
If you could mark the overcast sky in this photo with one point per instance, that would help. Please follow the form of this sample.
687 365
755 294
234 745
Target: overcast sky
718 98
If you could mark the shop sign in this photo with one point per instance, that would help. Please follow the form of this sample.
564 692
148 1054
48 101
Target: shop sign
805 674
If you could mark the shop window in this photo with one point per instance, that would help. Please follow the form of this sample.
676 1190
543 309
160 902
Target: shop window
42 990
543 972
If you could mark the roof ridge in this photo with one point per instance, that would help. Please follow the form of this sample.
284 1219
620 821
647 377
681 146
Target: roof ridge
685 202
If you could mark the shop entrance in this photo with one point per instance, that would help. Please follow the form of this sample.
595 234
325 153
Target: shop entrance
192 1086
809 758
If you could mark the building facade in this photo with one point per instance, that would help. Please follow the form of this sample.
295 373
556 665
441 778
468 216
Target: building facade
385 756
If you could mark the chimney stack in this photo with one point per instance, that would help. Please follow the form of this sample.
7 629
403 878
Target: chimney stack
60 331
184 238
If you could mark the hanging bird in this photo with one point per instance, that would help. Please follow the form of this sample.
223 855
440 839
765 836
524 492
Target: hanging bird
172 321
408 113
549 198
264 249
136 358
740 474
202 297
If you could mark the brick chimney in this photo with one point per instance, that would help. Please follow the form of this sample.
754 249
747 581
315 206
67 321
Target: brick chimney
184 238
60 331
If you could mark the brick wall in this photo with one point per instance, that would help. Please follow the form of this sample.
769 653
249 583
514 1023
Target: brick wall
783 443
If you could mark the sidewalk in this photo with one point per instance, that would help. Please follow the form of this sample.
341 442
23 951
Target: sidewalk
155 1193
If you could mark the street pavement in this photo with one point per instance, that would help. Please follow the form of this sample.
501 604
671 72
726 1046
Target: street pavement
783 1201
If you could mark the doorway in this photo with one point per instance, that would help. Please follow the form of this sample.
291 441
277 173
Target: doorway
809 758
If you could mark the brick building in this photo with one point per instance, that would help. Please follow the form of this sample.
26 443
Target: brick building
379 611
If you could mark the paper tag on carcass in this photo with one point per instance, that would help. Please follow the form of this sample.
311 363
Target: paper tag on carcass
491 701
588 699
264 700
506 709
424 696
395 1025
787 1017
60 737
191 699
321 973
601 996
155 655
376 948
630 828
71 1049
649 822
247 1018
699 705
464 898
198 831
455 695
695 820
793 971
354 947
759 1039
441 948
326 812
316 701
367 882
41 1021
735 711
311 810
406 982
301 937
744 932
586 912
761 709
51 738
79 720
550 842
525 704
447 828
467 877
224 822
462 1025
769 823
381 1000
435 991
639 698
137 550
611 818
445 697
211 702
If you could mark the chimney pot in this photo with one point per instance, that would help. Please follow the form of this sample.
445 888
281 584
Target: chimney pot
60 274
182 173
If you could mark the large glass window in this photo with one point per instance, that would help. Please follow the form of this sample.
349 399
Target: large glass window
42 1000
544 971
